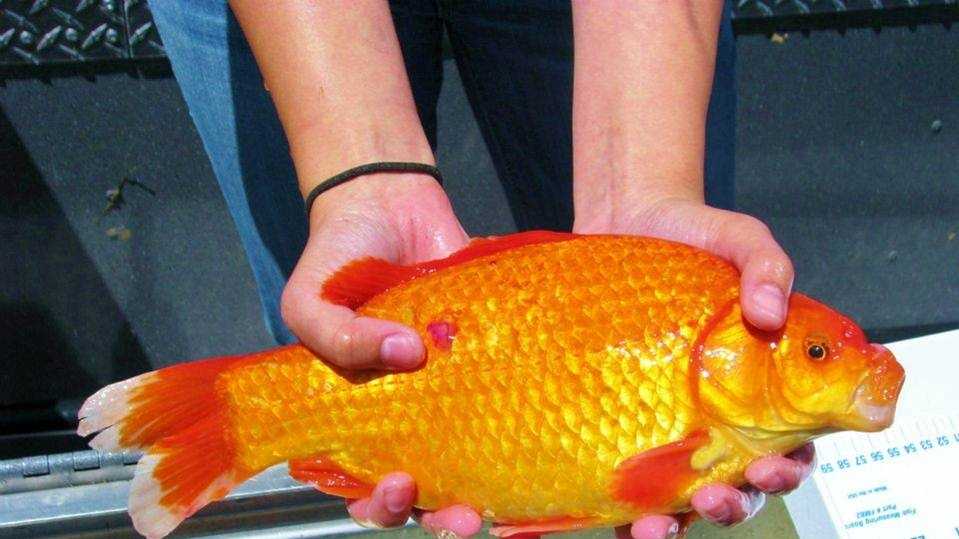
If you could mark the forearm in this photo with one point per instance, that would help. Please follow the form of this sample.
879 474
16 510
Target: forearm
337 78
642 79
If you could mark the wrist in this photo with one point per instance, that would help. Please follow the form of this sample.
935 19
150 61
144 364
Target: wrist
620 168
605 205
386 196
319 154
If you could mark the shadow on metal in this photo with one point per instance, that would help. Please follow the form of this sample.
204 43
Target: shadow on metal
893 334
62 32
45 373
152 68
783 20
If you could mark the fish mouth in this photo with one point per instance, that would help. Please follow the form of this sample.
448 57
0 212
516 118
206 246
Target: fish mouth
873 405
868 417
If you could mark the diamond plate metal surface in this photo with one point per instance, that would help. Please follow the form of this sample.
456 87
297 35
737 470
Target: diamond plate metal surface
50 31
57 31
777 8
142 36
771 16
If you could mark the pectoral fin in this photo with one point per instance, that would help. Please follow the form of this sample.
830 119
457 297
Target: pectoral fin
651 479
327 477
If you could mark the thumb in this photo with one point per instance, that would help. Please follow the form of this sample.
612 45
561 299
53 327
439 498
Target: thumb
765 269
336 333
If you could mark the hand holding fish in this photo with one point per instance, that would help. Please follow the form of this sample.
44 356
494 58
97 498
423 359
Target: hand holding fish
402 218
392 500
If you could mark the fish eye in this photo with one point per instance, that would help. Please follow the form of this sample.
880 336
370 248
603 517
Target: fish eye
816 347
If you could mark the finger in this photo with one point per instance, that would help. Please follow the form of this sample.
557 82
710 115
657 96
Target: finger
766 271
653 527
390 504
778 475
338 334
765 285
726 506
459 520
805 455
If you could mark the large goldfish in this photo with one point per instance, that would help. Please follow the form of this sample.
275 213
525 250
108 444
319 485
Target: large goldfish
571 382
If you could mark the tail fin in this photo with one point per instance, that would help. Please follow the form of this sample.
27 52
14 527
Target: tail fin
178 417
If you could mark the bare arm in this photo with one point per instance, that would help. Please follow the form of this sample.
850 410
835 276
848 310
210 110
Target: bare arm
336 75
641 88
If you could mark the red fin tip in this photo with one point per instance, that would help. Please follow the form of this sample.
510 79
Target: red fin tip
528 530
651 479
327 477
355 283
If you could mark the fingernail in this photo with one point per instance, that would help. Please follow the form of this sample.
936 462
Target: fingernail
770 301
673 531
394 499
731 512
399 351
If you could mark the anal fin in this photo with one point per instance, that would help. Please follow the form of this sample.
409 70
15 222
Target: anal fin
327 477
531 530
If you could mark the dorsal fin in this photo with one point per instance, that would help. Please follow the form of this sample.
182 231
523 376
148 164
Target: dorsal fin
481 247
357 282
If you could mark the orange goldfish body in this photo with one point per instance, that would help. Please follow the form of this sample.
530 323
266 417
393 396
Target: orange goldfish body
570 382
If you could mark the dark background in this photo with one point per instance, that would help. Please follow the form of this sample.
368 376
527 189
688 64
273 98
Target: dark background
847 147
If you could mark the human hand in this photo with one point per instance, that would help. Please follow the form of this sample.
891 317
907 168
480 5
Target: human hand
402 218
766 271
726 506
766 282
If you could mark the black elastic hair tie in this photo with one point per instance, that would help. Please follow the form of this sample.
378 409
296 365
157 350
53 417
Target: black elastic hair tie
384 166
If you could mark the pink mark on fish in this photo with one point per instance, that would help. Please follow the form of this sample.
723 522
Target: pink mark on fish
442 333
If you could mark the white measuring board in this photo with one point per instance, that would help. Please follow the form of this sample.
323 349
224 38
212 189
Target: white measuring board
902 482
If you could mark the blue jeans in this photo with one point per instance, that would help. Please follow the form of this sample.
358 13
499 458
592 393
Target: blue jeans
515 60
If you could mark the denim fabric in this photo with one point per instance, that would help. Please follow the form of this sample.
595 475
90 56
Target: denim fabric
243 138
515 61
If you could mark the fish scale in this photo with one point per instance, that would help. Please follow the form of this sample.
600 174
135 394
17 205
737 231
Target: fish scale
541 339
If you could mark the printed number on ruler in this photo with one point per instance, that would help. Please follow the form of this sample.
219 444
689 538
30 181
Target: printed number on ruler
896 446
891 483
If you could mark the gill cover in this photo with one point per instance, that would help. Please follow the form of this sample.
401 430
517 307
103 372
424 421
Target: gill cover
731 368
